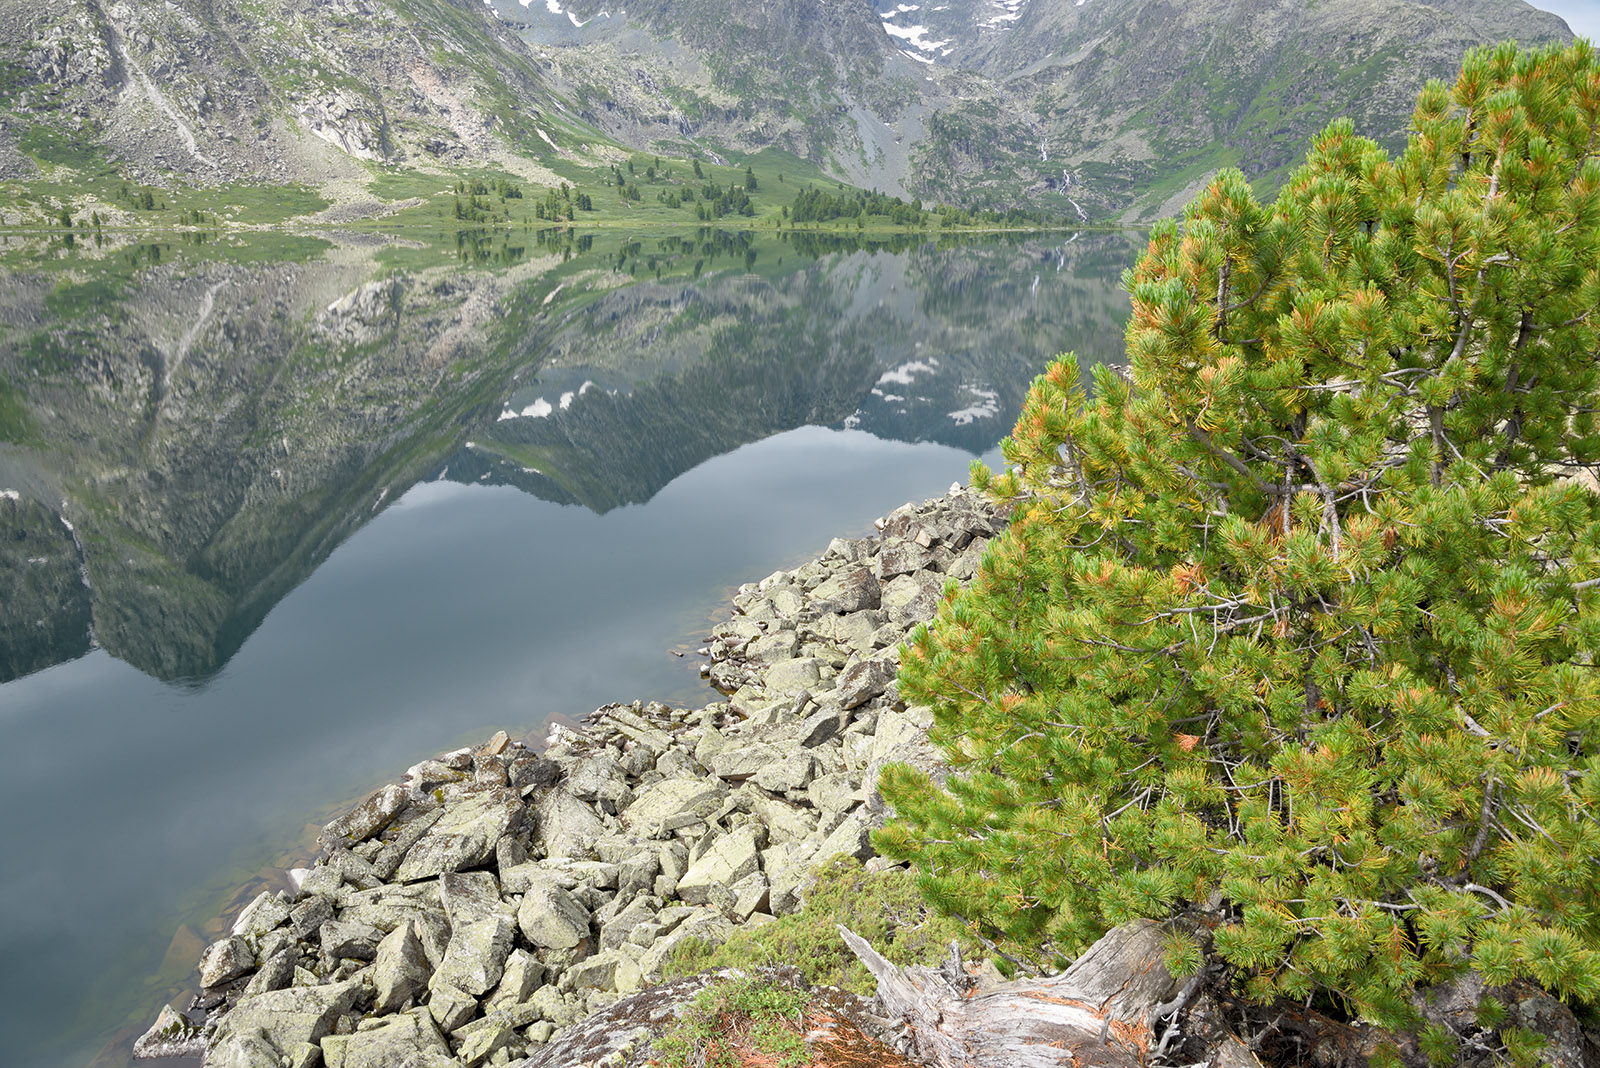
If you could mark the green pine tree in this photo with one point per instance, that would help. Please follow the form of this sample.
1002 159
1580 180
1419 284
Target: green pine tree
1304 607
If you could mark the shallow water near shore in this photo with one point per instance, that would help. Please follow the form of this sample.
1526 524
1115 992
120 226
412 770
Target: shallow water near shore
280 614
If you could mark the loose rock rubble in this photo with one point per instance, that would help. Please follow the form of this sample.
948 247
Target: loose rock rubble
498 897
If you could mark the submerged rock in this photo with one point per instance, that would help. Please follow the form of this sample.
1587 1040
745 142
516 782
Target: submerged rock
279 1021
172 1035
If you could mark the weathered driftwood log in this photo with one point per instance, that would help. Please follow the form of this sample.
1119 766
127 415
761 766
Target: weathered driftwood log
1099 1013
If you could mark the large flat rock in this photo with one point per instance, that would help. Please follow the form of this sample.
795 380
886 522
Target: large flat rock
464 836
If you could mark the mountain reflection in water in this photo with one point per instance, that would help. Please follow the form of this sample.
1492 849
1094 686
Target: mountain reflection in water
263 542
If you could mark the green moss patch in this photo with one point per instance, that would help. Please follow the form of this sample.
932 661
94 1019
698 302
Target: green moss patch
884 908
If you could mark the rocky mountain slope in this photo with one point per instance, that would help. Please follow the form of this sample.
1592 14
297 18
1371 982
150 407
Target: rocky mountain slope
219 90
1092 109
1136 102
819 79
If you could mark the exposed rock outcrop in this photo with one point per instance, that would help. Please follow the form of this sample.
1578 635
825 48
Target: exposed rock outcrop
480 908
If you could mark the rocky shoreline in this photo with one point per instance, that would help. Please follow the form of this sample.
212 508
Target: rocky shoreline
499 897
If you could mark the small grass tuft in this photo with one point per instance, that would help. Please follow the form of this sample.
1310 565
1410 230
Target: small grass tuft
742 1011
884 908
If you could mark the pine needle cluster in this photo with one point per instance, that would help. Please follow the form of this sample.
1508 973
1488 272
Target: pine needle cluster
1300 611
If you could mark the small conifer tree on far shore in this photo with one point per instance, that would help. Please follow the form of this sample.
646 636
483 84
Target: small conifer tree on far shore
1303 608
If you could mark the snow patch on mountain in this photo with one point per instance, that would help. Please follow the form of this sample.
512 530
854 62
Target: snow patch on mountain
555 8
1006 12
916 36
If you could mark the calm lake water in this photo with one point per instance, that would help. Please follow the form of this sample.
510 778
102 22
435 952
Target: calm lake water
279 520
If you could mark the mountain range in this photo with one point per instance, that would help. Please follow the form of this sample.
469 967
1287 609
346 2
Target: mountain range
1093 109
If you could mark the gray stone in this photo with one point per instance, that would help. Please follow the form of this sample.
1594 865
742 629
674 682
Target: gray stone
849 838
409 1040
286 1017
750 895
734 856
172 1035
450 1006
774 646
351 939
792 772
225 959
610 969
567 826
833 793
276 972
901 738
509 852
553 1007
234 1048
468 896
464 836
819 727
739 763
353 869
792 676
265 912
707 926
366 819
912 598
477 954
615 931
483 1042
638 872
862 681
784 822
551 918
540 1032
852 590
522 976
671 804
900 558
788 601
598 778
401 970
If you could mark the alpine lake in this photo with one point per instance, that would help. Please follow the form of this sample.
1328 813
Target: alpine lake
283 514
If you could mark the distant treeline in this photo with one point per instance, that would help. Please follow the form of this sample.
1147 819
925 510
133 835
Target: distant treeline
817 205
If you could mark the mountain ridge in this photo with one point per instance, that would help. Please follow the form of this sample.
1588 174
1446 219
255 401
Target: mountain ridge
1102 109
